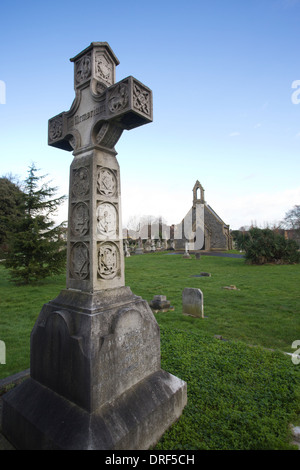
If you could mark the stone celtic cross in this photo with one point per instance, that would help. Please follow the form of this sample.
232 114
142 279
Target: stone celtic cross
100 112
96 380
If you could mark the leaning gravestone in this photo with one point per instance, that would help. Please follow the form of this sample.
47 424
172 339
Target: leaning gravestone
96 381
192 302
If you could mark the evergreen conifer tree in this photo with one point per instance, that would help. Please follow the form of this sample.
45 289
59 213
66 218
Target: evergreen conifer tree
10 194
36 245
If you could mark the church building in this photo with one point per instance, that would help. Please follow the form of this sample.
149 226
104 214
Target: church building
216 233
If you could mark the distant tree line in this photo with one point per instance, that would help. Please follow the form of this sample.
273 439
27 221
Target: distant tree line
31 245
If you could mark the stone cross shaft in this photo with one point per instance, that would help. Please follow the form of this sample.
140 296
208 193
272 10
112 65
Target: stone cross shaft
100 112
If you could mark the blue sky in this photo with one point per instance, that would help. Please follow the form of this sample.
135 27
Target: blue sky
221 73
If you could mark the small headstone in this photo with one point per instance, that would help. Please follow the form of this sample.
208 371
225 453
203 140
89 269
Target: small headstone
126 249
139 250
147 246
159 303
192 302
197 255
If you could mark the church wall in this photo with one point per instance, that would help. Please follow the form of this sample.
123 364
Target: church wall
218 238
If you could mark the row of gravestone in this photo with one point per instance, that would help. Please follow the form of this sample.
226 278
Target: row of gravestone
148 246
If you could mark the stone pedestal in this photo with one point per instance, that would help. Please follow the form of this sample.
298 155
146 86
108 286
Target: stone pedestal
96 381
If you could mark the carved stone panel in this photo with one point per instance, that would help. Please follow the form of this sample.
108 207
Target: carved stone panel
80 219
118 98
106 182
83 69
141 99
79 261
107 221
80 187
103 68
132 351
55 127
108 260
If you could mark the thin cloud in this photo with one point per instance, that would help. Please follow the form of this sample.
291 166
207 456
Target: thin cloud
234 134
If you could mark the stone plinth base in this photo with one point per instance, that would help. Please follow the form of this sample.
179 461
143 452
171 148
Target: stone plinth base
95 377
36 418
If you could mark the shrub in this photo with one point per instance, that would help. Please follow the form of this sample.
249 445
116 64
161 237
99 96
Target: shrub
266 246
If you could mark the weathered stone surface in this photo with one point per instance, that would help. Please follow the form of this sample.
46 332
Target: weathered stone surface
95 377
36 418
160 303
91 357
192 302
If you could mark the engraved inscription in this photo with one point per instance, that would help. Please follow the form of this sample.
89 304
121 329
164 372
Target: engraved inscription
83 68
125 350
132 350
107 221
93 112
108 260
80 261
141 99
106 182
80 219
81 182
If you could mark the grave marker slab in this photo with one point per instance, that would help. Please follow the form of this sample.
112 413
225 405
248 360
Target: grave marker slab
192 302
95 377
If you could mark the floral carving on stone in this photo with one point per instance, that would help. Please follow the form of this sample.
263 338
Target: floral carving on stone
55 128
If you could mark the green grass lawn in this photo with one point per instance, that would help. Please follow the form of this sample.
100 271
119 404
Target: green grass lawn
239 397
265 311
